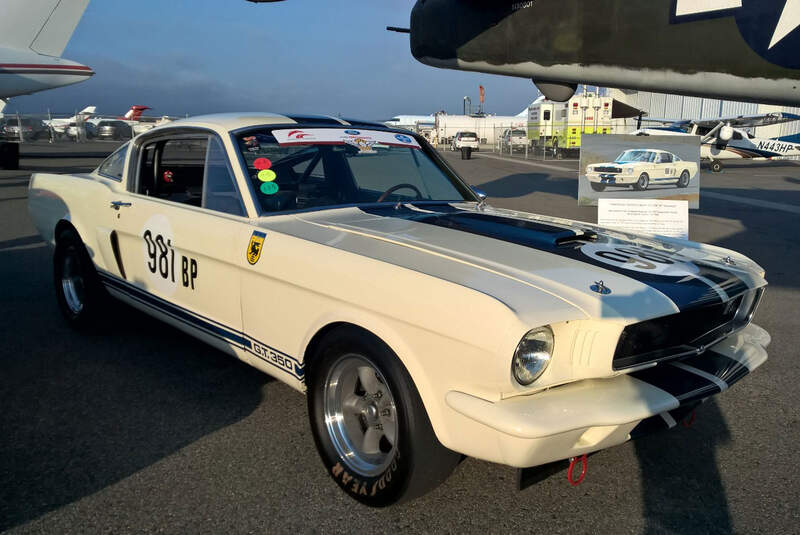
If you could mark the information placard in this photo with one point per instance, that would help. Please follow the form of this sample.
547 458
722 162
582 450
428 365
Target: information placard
645 216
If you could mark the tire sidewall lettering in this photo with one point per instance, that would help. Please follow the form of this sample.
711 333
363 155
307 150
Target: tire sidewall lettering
364 485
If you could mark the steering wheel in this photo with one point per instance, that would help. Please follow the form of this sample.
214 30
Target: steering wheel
397 187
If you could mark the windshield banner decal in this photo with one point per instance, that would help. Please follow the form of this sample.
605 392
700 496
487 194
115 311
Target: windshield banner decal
337 136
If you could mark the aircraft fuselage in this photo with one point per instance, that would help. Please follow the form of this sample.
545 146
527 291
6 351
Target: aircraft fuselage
732 49
23 72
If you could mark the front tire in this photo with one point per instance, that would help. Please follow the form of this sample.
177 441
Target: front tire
684 179
597 186
369 424
716 166
80 295
642 183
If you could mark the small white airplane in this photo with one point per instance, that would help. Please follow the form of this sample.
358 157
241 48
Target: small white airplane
59 125
409 121
728 139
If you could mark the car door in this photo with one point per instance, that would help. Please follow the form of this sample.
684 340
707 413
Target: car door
667 167
178 230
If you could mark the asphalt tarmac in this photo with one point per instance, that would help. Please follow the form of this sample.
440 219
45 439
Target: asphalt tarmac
143 429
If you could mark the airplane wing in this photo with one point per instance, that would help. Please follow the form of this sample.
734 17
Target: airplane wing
739 121
673 123
751 121
43 26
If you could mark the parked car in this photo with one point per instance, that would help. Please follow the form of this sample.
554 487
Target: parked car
464 139
641 168
113 129
352 263
89 128
32 129
515 137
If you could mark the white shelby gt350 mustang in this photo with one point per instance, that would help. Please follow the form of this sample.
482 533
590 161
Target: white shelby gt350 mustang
349 261
641 168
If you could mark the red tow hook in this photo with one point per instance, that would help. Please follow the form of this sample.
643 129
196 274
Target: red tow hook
572 462
690 420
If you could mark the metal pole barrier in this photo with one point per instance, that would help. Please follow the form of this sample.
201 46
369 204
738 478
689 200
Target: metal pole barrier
20 135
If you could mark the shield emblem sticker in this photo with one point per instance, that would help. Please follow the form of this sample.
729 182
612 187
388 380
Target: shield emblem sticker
254 247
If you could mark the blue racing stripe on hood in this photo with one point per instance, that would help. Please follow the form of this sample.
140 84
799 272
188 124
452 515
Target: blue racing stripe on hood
704 284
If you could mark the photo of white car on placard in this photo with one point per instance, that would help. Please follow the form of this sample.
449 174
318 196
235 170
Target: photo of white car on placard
640 169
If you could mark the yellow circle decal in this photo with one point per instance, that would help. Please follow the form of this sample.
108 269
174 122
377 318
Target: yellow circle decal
266 175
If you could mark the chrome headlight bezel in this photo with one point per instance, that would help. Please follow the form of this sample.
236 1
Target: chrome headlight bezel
532 355
629 170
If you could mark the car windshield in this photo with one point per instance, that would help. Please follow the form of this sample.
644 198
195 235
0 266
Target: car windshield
304 168
633 156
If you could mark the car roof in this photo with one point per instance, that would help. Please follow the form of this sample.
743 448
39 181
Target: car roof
237 120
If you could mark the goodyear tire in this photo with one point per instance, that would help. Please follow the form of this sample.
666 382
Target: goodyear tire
370 427
684 179
80 295
597 186
642 183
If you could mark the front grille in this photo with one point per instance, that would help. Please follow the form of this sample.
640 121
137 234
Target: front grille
690 331
602 169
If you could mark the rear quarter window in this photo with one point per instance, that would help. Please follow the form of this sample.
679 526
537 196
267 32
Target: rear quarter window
114 165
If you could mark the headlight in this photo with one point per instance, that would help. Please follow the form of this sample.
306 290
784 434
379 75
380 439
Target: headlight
532 355
629 170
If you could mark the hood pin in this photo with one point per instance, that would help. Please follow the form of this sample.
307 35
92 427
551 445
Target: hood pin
600 287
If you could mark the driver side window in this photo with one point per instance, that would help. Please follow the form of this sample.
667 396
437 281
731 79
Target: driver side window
191 170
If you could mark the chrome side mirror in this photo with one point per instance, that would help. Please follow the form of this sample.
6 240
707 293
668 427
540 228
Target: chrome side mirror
480 193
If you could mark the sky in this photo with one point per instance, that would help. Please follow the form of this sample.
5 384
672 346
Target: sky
303 56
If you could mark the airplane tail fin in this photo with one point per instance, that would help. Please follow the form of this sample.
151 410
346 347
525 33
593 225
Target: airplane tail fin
88 111
44 26
135 112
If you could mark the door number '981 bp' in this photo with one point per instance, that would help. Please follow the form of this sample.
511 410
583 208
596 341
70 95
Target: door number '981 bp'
162 260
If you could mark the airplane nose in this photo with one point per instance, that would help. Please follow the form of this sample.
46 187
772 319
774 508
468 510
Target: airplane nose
440 29
432 29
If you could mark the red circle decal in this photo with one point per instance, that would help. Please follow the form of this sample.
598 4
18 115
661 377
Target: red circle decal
262 163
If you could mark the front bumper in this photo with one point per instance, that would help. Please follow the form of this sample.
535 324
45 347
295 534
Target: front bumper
594 414
612 179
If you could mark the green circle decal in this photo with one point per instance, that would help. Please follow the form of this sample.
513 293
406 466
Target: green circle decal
269 188
266 175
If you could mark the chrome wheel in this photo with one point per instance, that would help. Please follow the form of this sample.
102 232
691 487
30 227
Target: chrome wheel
360 415
72 283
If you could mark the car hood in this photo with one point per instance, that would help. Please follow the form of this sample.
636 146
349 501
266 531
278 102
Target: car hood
512 255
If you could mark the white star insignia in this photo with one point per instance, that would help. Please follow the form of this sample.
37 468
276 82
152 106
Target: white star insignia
790 20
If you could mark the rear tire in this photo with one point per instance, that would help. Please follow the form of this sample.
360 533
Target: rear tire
369 424
642 183
81 298
716 166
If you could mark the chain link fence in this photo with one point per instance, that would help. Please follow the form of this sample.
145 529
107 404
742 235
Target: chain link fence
78 128
511 139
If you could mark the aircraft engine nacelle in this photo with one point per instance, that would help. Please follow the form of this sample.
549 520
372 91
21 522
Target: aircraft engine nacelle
725 134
